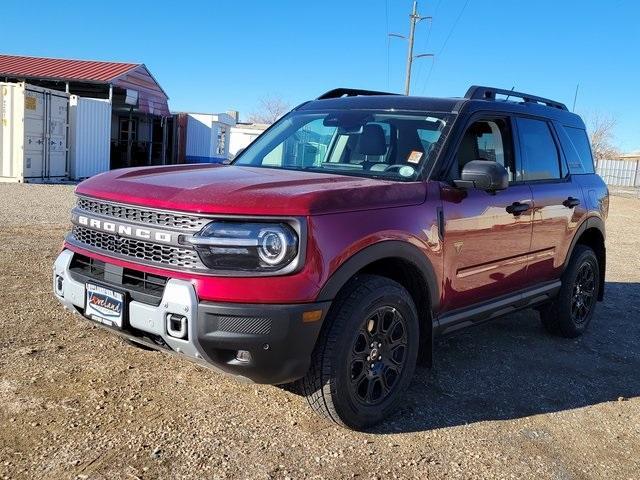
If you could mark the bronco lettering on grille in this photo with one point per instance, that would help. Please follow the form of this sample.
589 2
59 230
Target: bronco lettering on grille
124 230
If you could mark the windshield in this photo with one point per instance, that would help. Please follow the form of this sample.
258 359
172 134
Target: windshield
389 145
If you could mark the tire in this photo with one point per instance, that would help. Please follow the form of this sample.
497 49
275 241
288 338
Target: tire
372 316
571 312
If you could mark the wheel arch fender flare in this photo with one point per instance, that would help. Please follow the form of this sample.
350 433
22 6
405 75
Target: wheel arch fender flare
387 249
596 223
590 222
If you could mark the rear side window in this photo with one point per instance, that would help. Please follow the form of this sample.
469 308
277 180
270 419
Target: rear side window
579 154
539 150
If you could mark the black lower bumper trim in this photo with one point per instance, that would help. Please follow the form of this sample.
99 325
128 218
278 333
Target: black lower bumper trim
278 340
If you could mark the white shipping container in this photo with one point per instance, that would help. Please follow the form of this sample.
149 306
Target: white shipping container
33 133
208 137
89 136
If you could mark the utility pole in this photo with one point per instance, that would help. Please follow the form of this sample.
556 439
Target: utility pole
414 18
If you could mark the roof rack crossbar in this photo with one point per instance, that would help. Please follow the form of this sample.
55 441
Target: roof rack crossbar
350 92
489 93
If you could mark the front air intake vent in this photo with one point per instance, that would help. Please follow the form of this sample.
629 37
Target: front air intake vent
244 325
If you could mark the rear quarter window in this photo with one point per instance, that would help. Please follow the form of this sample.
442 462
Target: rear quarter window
577 149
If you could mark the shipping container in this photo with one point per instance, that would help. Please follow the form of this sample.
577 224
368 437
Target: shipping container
33 133
89 136
207 138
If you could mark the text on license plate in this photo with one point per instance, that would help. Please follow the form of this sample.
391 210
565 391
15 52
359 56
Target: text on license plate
104 305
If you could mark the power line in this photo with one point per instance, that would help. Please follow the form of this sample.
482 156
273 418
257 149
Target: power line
426 43
453 27
414 18
444 45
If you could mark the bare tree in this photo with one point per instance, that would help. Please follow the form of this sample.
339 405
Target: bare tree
269 110
601 133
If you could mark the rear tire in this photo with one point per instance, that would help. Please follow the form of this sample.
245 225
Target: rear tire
366 354
572 310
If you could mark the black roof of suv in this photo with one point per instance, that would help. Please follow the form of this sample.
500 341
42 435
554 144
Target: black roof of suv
477 98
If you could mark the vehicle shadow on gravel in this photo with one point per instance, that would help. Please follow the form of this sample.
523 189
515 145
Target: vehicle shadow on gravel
512 368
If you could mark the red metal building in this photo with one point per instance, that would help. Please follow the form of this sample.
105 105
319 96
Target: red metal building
140 113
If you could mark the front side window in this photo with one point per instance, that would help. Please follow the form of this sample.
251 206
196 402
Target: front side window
539 151
488 140
395 146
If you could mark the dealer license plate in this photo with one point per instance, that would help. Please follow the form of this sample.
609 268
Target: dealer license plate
104 305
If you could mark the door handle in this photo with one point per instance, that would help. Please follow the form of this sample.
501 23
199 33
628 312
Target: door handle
517 208
571 202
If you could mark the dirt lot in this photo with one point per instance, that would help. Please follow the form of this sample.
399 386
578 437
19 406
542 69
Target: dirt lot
504 401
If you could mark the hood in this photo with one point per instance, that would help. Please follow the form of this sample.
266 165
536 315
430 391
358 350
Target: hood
227 189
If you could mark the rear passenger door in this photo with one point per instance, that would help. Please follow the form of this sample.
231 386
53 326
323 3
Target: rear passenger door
557 200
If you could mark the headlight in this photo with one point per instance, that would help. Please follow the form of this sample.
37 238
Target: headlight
246 246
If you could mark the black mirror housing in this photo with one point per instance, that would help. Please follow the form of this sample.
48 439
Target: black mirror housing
483 175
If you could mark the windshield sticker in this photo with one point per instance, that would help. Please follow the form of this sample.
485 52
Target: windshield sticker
406 171
414 157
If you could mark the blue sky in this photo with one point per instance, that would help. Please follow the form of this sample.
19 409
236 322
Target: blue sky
212 56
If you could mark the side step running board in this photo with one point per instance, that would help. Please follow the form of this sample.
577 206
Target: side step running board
469 316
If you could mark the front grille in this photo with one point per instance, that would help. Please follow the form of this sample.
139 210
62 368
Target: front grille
139 215
137 249
143 287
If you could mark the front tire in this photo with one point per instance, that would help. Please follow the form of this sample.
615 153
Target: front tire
366 355
572 310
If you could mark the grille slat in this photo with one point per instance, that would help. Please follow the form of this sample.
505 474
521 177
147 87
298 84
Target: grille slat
139 215
138 249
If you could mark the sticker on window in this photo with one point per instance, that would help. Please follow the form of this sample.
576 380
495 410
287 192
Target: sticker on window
414 157
406 171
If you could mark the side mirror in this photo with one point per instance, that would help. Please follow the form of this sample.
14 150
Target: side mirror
483 175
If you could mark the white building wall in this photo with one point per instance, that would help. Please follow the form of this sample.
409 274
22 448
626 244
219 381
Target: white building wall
202 137
242 136
89 136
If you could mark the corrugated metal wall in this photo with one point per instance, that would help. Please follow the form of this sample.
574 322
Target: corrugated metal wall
620 173
198 136
89 136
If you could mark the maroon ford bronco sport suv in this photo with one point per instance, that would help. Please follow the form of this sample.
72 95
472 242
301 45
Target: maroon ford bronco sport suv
344 239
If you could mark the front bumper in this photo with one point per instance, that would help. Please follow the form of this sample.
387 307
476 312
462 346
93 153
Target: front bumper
277 338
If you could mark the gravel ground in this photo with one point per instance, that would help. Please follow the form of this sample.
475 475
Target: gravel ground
505 400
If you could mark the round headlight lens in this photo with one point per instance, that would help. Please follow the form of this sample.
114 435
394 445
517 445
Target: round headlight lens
272 246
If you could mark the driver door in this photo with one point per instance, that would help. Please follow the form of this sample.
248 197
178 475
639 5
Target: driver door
485 247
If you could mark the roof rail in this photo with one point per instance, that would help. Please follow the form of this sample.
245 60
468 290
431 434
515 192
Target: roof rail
350 92
476 92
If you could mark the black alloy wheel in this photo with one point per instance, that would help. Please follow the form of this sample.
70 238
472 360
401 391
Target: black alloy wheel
366 354
583 294
378 356
571 311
